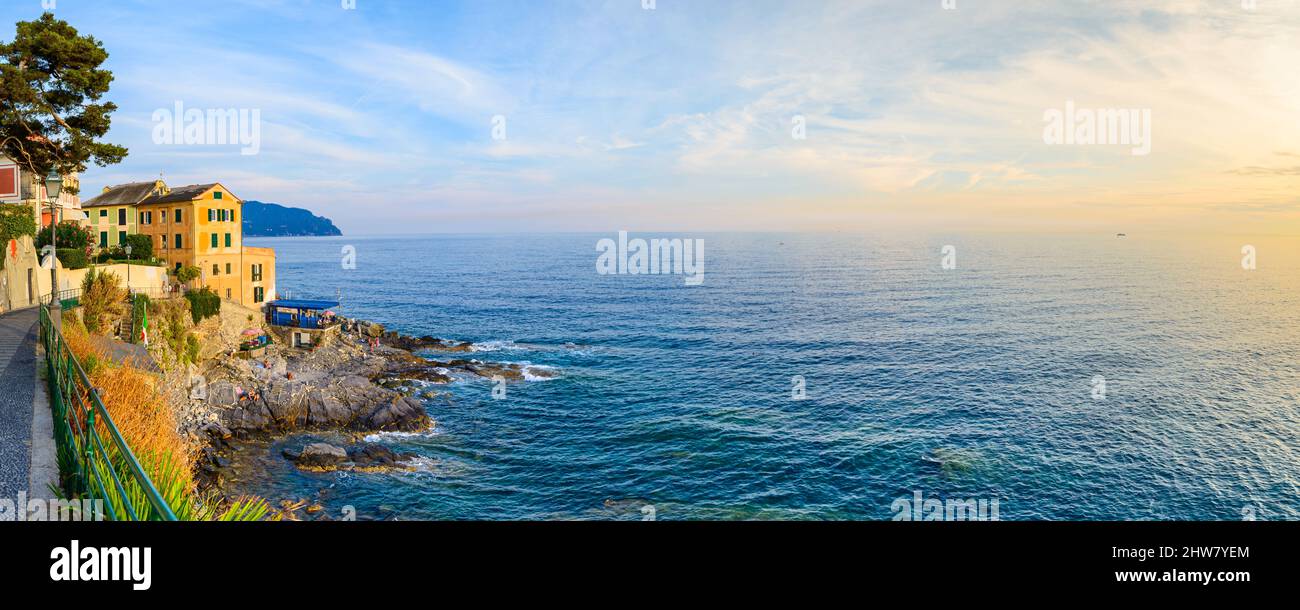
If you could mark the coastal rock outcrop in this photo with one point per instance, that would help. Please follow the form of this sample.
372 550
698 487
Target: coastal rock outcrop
318 456
368 456
346 403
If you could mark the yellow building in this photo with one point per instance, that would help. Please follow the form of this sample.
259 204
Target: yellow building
112 215
200 225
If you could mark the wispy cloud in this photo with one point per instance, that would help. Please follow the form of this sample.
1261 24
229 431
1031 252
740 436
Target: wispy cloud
726 114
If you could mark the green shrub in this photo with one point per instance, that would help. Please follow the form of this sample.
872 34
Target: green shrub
141 247
73 258
102 300
71 235
15 221
204 303
192 348
187 274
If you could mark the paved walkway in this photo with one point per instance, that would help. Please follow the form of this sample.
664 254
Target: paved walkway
18 336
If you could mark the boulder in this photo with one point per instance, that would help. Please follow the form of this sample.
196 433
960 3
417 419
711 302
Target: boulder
319 455
222 394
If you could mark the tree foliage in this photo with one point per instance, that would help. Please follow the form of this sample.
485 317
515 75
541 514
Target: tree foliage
187 274
204 303
51 87
71 234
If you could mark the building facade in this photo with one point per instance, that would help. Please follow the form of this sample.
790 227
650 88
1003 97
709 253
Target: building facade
112 215
198 225
23 282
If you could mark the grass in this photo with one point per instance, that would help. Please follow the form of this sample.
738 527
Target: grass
149 426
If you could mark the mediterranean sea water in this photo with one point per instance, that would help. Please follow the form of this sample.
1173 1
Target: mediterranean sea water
1070 376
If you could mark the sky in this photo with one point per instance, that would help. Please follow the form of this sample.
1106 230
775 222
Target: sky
430 116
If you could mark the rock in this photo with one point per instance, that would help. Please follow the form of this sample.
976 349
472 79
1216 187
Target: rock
198 387
371 454
215 431
222 393
374 330
324 409
321 456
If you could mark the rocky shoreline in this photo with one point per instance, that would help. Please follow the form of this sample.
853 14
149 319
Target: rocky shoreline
345 385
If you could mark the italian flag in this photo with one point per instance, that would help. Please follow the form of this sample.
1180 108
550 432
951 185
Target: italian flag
144 327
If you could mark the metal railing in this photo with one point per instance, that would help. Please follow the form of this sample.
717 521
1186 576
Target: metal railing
90 466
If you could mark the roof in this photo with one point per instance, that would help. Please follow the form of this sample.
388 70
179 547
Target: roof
304 304
181 193
122 194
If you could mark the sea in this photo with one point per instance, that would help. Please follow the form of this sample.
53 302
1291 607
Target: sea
827 376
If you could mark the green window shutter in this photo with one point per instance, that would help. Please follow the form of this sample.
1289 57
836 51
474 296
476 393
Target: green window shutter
103 239
103 213
178 240
227 240
121 237
216 195
210 214
214 240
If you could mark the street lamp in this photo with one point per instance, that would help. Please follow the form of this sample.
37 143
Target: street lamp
128 267
53 187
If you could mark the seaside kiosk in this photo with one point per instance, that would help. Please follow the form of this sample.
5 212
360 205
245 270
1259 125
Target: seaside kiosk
307 322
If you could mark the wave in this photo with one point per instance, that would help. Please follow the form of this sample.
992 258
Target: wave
376 437
495 346
529 375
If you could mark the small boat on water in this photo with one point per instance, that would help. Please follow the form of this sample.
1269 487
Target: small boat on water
1121 235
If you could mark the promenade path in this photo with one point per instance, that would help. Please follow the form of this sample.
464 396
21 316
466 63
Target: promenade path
18 336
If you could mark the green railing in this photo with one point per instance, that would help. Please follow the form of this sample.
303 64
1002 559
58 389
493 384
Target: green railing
90 466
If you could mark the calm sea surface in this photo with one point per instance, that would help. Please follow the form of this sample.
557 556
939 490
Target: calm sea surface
979 382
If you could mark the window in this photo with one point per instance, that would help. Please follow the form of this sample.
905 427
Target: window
103 239
232 216
178 215
103 213
121 216
211 214
256 272
227 240
178 240
146 218
178 266
216 195
121 237
215 269
227 293
227 268
258 294
214 240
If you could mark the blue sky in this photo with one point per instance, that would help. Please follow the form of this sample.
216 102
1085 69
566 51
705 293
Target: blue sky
681 117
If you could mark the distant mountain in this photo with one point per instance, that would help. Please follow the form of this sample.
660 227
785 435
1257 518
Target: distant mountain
274 220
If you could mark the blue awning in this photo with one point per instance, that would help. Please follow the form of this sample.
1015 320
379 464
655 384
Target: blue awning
304 304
